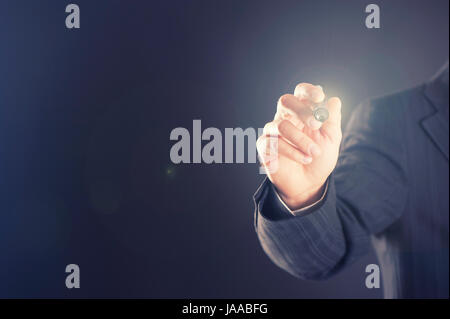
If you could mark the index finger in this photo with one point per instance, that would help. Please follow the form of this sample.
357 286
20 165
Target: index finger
314 93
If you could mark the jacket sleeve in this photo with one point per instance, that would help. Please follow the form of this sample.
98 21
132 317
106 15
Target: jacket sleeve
366 194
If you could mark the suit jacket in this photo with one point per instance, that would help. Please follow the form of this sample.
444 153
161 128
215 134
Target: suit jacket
390 189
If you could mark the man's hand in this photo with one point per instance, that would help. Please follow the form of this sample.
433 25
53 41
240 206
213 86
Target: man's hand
307 149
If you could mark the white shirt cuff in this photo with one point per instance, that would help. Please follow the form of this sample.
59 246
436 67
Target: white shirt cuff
299 211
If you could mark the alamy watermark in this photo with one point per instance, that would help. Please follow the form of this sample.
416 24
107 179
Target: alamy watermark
373 279
73 17
210 146
73 279
373 18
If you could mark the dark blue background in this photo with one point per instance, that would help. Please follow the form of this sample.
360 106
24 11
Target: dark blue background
85 118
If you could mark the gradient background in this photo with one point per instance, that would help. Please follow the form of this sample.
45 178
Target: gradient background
85 118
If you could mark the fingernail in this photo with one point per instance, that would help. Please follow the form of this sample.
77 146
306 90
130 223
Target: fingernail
314 150
313 123
307 160
317 95
301 93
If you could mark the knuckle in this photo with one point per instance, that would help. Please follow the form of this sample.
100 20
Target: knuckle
260 142
302 89
282 125
284 100
302 85
266 128
270 129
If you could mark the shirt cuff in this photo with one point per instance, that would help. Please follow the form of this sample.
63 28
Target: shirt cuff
300 211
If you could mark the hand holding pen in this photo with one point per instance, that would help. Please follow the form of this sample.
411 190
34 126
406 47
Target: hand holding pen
307 129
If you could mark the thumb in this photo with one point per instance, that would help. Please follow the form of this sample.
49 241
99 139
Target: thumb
332 126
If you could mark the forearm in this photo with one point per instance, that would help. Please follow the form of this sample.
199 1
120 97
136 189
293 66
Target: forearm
309 246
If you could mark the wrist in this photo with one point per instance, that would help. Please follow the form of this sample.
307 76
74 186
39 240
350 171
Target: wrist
304 199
